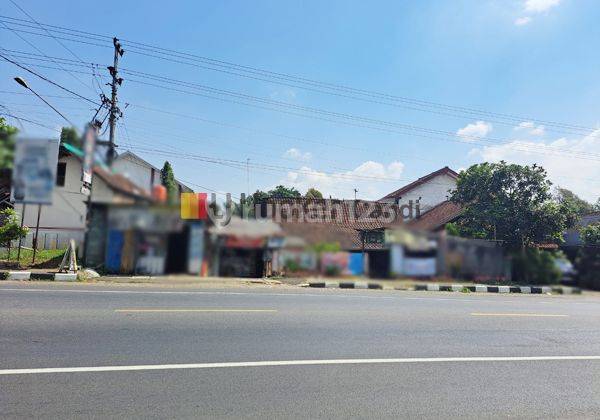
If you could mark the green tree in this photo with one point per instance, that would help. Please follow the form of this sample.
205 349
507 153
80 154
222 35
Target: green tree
69 135
313 193
281 191
588 261
7 144
510 202
10 227
569 197
167 179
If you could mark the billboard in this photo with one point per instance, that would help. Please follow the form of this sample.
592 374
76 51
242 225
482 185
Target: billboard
34 172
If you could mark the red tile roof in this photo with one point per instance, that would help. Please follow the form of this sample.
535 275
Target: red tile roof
347 238
444 171
354 214
436 217
332 221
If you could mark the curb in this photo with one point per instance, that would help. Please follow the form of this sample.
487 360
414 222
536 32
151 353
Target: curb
434 287
18 275
480 288
345 285
65 277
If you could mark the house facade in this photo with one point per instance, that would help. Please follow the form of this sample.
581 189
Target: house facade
141 172
426 192
65 218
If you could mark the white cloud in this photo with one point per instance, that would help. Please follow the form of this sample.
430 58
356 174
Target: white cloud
522 20
297 154
530 128
341 184
285 95
532 7
539 6
478 129
579 174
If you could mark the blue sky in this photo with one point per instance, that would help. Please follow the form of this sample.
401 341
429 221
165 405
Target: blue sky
531 59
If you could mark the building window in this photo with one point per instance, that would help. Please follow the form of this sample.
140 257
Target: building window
61 171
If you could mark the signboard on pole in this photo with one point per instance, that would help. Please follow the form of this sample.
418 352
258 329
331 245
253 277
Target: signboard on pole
34 173
89 146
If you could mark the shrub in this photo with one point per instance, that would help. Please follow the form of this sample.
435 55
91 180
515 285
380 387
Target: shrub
10 227
332 270
535 266
588 261
292 266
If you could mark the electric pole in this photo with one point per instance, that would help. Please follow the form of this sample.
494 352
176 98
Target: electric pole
114 112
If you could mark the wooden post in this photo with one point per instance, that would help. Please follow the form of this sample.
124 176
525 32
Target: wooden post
37 230
21 238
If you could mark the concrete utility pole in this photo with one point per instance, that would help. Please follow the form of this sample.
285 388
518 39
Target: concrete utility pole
115 112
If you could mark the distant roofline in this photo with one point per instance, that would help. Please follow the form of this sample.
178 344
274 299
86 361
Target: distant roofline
443 171
138 157
103 172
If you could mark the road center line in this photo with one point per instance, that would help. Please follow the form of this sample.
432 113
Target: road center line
519 315
4 372
192 310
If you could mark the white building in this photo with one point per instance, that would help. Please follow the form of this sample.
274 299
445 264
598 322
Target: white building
140 172
428 191
65 218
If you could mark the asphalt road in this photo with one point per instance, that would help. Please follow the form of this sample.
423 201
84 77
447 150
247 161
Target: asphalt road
421 354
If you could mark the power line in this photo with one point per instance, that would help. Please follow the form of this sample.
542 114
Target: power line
283 77
48 80
31 121
40 51
475 139
56 39
363 122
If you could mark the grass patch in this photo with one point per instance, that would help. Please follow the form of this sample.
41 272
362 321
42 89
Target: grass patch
44 258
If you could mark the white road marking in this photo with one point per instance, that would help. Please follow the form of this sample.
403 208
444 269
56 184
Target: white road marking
4 372
519 315
193 310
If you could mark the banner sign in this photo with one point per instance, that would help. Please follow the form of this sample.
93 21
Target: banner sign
89 146
34 173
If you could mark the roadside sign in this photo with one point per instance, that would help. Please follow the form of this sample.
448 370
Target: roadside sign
89 147
34 172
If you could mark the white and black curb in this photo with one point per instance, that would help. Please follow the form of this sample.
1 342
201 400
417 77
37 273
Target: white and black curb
65 277
18 275
345 285
434 287
481 288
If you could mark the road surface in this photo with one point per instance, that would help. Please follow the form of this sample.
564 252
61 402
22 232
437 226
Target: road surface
148 352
